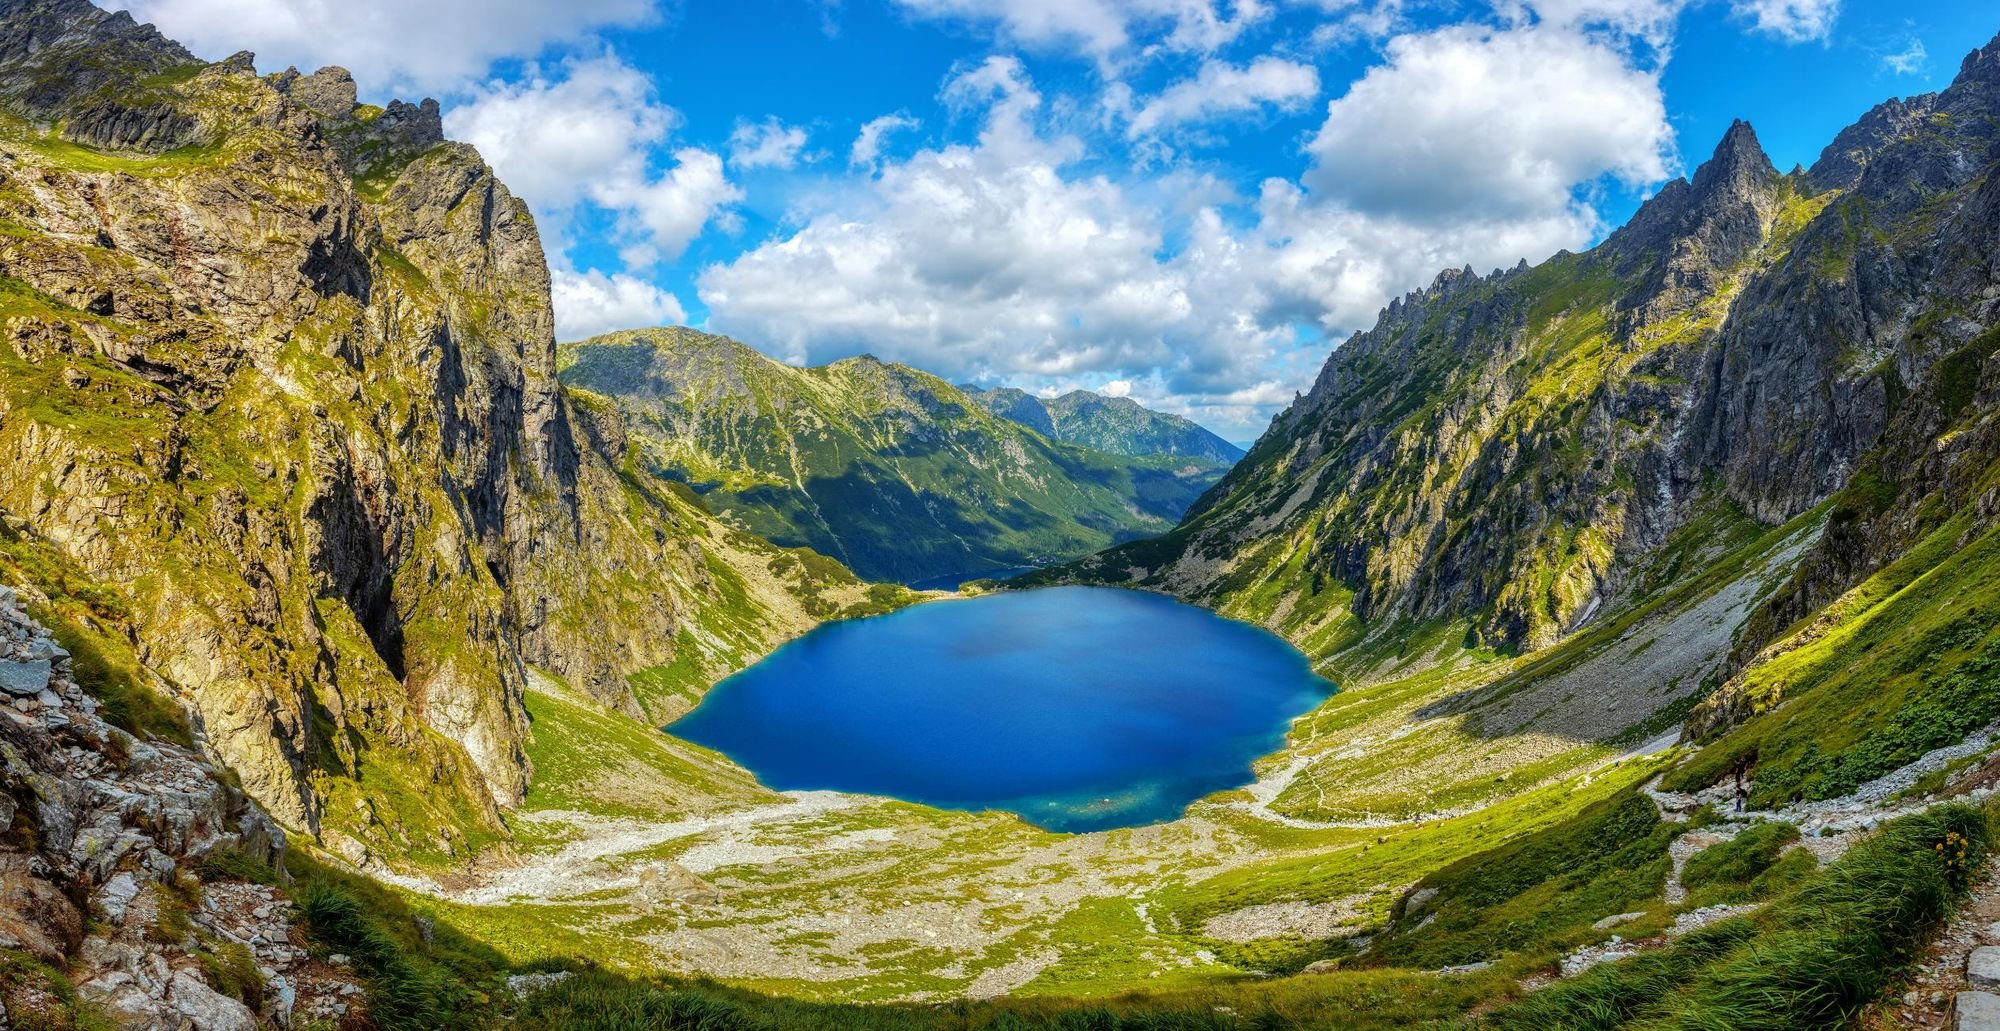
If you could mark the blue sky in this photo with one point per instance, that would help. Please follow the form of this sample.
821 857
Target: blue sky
1188 201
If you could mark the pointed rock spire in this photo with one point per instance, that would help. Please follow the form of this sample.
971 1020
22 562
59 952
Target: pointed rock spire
1691 233
1738 165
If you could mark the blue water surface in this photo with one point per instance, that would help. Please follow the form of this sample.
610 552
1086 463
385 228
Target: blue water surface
1080 708
953 581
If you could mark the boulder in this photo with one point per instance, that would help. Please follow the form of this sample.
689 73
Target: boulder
1614 920
329 91
24 678
205 1008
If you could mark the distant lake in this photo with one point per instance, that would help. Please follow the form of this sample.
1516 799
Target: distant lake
954 581
1080 708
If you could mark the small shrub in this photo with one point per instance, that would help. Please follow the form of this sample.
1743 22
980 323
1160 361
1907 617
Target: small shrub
232 970
173 902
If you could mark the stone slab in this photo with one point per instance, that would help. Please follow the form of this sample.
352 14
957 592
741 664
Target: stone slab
1982 968
1976 1011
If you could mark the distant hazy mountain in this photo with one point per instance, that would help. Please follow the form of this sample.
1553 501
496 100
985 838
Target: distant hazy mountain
1118 425
892 470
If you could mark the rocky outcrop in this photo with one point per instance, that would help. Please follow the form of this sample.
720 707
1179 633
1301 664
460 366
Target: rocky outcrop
106 842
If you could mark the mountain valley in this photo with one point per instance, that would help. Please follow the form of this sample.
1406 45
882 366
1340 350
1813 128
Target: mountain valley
893 472
341 611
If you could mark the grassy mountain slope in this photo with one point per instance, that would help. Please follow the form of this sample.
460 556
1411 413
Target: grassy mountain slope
894 472
280 438
1118 425
1515 450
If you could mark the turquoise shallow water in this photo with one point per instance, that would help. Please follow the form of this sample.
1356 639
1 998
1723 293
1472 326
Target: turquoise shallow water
1080 708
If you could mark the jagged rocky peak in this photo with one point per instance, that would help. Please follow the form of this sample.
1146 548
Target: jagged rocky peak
1844 160
1693 232
1982 64
1737 180
1739 168
366 138
51 36
64 61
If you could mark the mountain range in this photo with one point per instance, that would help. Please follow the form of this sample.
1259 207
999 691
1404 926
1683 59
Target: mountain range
342 607
1118 425
892 471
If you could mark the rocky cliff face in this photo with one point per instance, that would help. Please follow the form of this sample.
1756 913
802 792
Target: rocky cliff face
281 425
893 471
1115 425
1510 449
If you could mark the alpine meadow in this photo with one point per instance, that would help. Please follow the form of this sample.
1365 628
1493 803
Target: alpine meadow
729 517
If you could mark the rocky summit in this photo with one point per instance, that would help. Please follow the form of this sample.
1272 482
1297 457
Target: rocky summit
345 617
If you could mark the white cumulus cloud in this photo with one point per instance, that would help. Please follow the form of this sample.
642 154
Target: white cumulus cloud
868 142
589 303
1471 122
766 144
1652 20
1007 259
393 47
1794 21
1102 28
586 135
1219 89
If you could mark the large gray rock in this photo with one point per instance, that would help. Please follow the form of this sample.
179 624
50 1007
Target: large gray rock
117 896
329 91
1976 1011
24 679
1982 968
207 1009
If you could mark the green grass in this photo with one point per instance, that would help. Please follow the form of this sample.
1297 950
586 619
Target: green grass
1741 859
445 984
1537 895
590 760
55 1006
1367 1001
1902 664
1815 958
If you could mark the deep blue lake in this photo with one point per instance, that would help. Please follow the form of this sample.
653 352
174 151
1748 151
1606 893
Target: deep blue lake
1080 708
